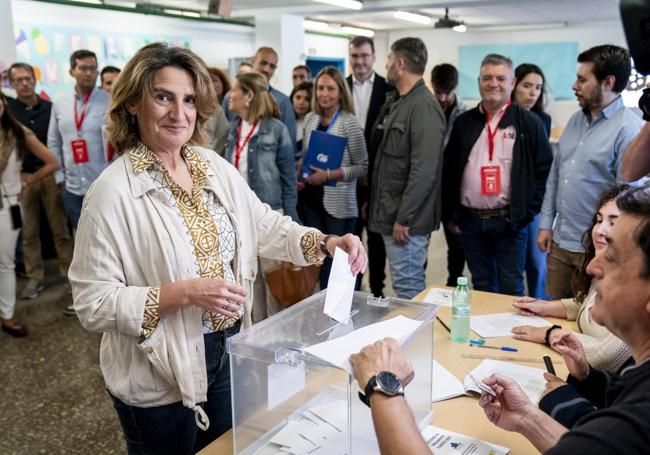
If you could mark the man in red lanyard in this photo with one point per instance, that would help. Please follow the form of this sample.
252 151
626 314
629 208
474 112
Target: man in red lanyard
75 134
496 164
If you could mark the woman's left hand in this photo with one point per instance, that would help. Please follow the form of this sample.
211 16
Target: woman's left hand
552 383
529 333
351 244
319 176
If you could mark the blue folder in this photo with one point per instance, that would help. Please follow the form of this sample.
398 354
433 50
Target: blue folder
325 152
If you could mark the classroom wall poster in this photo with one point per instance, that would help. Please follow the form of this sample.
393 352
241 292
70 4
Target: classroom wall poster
48 49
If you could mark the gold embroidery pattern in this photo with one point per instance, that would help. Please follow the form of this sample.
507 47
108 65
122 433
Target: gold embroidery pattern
151 311
309 246
196 216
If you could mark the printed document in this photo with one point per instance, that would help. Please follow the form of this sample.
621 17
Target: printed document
501 324
443 442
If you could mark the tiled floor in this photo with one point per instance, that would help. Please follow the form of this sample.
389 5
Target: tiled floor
52 395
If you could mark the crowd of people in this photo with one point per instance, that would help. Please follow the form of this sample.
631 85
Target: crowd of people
210 181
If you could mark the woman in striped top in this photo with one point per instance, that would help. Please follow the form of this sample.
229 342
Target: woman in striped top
334 208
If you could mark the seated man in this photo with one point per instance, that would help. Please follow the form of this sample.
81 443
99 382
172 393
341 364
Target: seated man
622 305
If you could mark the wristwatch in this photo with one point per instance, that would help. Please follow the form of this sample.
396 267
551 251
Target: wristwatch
323 245
383 382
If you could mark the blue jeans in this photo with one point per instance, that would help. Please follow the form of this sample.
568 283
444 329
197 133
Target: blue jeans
318 218
406 263
171 429
72 204
535 262
495 252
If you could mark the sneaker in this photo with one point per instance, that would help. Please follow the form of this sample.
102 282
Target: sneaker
69 311
32 290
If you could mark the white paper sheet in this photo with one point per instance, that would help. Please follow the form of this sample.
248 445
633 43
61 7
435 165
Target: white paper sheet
283 382
340 288
338 350
501 324
443 442
439 296
444 384
531 380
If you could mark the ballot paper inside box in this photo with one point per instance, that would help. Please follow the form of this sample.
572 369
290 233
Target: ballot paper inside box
286 400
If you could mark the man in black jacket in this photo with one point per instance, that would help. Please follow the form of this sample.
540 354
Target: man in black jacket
369 92
496 164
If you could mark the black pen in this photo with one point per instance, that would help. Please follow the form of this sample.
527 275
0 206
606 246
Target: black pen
443 324
549 364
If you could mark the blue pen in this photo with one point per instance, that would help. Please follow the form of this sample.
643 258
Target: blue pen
500 348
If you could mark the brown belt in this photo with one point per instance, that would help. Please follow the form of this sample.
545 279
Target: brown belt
489 213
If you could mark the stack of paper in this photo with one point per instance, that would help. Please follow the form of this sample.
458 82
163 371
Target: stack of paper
501 324
531 380
439 296
444 384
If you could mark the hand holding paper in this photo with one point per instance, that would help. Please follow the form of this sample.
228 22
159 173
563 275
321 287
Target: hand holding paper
340 288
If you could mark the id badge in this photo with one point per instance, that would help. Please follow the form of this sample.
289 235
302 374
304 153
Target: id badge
79 151
490 180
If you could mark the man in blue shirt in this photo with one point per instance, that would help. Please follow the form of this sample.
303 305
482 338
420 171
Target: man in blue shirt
587 163
75 135
265 61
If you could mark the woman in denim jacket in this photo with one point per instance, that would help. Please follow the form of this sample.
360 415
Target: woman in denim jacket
260 148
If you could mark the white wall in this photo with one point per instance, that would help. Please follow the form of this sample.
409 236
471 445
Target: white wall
327 46
214 42
443 45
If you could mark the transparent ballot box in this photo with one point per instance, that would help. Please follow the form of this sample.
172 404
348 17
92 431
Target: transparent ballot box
286 400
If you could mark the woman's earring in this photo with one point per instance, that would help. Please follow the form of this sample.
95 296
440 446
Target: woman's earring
248 103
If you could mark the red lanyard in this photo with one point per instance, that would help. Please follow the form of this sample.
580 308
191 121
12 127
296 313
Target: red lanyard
78 121
492 134
240 147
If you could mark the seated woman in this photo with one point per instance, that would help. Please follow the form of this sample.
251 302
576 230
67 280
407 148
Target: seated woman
260 148
603 349
166 256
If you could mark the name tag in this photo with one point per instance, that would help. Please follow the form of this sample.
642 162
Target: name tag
490 180
79 151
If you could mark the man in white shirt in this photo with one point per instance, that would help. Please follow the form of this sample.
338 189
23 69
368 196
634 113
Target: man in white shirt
368 93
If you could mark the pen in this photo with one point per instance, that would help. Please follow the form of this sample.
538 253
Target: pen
500 348
549 364
443 324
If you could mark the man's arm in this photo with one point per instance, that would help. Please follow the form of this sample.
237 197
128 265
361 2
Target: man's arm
636 159
55 143
395 427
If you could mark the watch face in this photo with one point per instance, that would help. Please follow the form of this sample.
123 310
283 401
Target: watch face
389 382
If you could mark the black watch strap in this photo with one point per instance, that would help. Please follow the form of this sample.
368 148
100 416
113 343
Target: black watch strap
323 245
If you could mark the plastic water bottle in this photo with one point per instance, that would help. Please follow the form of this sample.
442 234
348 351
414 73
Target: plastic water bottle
460 305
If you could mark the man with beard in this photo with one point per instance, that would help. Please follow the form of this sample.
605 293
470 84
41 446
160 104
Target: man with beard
405 201
588 161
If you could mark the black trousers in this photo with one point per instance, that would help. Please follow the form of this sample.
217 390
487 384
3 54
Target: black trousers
455 257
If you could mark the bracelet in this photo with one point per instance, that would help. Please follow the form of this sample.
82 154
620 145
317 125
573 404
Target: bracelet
329 176
548 333
323 245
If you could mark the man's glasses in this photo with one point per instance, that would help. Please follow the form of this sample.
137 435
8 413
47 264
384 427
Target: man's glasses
87 68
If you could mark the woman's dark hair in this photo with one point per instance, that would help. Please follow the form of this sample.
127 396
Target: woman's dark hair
636 201
307 86
521 72
581 279
11 129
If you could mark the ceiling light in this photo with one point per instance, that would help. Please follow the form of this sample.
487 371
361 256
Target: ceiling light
461 28
518 27
92 2
351 4
412 17
191 14
315 25
357 31
175 12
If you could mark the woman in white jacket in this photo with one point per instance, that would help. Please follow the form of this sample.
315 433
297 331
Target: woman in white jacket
166 254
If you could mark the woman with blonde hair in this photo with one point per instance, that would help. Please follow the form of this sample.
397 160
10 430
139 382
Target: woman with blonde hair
333 207
260 149
166 255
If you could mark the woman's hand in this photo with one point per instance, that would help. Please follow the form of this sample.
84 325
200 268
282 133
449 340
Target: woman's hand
529 306
319 177
352 245
529 333
27 179
568 345
216 295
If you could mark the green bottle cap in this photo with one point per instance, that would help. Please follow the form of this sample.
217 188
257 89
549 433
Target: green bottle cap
461 281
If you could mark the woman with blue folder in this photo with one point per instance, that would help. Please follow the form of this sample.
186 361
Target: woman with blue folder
334 157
